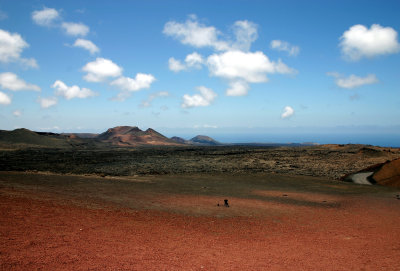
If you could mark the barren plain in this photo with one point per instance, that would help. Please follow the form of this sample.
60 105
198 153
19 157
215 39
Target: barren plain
157 208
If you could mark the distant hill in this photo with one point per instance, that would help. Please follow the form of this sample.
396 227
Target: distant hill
22 138
133 136
81 135
204 140
180 140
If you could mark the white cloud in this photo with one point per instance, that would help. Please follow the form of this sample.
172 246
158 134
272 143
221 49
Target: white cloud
153 96
100 69
246 66
175 65
353 81
17 113
134 84
10 81
45 17
359 41
198 35
281 45
195 34
75 29
288 111
87 45
72 92
237 88
193 60
246 34
11 47
235 63
205 98
4 99
47 102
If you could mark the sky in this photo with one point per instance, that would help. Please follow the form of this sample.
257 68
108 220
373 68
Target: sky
239 71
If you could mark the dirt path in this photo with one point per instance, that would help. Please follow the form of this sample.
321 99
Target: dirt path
41 231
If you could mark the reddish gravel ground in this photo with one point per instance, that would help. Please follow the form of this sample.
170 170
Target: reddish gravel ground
39 231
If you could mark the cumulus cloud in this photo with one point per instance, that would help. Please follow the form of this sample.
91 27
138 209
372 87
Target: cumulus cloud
281 45
47 102
288 111
175 65
17 113
4 99
233 61
75 29
237 88
72 92
101 69
11 47
195 34
353 81
87 45
10 81
205 98
45 17
193 60
247 66
359 42
245 33
140 81
153 96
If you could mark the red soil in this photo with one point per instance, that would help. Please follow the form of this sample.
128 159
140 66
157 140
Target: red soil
53 234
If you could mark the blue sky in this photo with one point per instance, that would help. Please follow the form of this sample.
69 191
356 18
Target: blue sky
288 71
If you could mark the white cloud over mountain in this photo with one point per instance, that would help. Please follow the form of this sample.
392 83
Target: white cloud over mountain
75 29
281 45
140 81
205 98
233 60
72 92
359 42
245 33
11 47
195 34
10 81
193 60
4 99
101 69
353 81
47 102
87 45
45 17
241 68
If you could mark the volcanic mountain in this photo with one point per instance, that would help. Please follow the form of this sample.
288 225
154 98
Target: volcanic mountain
204 140
133 136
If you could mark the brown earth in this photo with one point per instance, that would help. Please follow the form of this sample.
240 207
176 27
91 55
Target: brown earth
389 174
274 222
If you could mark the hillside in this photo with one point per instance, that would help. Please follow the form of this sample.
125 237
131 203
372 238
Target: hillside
21 138
133 136
204 140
